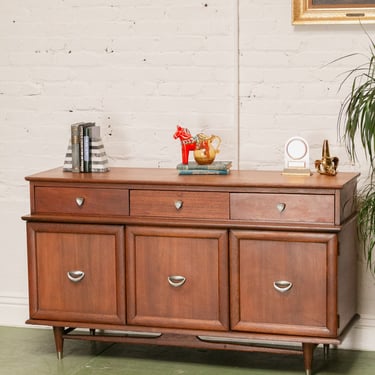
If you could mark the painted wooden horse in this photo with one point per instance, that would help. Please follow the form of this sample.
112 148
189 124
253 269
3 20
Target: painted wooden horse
188 142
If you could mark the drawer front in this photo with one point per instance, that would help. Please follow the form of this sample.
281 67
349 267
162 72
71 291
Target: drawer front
307 208
174 204
177 277
283 283
82 201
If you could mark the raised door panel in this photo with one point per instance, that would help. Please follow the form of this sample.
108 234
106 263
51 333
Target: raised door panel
284 282
76 272
177 277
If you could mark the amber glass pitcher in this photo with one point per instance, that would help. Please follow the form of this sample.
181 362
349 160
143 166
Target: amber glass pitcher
206 148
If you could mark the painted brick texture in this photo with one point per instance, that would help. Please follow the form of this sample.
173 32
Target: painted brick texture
235 68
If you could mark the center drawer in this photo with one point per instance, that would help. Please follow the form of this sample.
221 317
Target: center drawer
182 204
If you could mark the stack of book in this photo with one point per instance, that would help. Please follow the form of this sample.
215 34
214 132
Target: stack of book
85 150
217 167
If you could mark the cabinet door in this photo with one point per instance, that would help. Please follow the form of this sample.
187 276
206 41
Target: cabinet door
76 272
177 277
284 282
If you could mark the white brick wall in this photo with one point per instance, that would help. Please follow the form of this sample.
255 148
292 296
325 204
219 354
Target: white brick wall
138 68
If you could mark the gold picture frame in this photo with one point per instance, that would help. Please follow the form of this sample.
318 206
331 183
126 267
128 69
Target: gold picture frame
333 11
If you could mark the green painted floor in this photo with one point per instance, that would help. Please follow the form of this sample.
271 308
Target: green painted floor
31 351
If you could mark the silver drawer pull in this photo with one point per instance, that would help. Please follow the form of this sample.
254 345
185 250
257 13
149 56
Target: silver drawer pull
176 281
75 276
281 207
282 286
178 204
80 201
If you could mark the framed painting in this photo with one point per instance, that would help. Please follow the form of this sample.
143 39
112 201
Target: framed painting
333 11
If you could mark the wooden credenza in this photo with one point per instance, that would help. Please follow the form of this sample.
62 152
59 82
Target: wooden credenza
234 262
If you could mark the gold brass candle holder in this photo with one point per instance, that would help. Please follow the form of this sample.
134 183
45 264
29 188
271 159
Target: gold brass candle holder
327 165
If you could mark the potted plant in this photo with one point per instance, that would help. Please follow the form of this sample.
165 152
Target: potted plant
356 123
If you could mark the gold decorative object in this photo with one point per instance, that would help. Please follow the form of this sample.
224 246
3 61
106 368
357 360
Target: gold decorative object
206 148
327 165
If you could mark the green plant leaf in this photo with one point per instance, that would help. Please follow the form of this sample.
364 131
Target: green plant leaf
356 122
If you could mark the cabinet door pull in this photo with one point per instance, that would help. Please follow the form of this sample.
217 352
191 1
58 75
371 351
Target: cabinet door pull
282 286
281 207
176 281
80 201
178 205
75 276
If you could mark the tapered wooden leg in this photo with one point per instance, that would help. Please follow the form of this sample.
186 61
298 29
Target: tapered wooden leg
59 341
308 350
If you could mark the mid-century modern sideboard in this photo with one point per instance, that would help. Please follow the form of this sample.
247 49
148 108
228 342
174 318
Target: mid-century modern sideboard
234 262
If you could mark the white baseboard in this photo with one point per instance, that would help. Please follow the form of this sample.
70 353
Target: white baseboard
362 335
15 310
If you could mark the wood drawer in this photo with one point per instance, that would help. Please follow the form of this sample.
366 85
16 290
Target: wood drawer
306 208
95 201
182 204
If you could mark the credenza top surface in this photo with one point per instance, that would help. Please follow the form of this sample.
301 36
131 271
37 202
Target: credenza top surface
169 176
